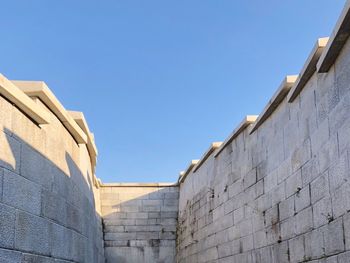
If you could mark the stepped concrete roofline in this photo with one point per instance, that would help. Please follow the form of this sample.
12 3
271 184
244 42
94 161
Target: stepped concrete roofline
249 119
337 40
138 184
15 95
211 149
308 69
276 99
184 174
40 90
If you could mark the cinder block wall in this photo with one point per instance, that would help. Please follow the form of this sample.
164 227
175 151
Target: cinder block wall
282 193
139 222
47 195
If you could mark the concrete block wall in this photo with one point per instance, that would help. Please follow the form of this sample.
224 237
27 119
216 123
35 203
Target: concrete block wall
282 192
49 205
139 222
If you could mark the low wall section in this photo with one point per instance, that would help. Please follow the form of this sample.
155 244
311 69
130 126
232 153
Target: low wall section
139 222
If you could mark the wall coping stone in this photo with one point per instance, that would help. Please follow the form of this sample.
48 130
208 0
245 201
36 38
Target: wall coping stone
308 69
249 119
336 41
40 89
81 121
211 149
21 100
184 174
276 99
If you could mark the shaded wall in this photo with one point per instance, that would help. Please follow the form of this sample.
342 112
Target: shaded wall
282 193
48 202
139 223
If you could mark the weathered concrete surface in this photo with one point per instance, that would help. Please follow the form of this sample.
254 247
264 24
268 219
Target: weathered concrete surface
48 203
281 193
139 223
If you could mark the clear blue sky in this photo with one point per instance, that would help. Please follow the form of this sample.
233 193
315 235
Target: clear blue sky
158 81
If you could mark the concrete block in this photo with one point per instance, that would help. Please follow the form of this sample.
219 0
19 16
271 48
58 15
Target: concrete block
320 136
288 228
152 202
1 182
21 193
322 212
334 237
346 219
280 252
343 138
134 209
272 216
271 181
74 218
297 249
301 155
247 243
309 171
30 258
343 258
278 194
7 226
36 167
139 215
168 214
171 235
339 172
10 256
238 214
171 202
171 195
32 233
10 152
168 208
53 206
328 153
260 239
250 178
341 200
302 199
314 244
61 240
293 183
78 248
320 188
225 249
303 221
148 235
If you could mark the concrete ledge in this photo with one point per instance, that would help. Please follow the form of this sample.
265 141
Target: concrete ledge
184 174
308 69
276 99
337 40
39 89
249 119
80 120
138 184
22 101
212 148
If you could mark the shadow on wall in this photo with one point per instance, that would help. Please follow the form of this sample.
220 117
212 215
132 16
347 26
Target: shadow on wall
45 213
140 223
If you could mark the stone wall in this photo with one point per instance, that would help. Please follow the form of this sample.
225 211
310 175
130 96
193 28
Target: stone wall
280 193
49 202
139 222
